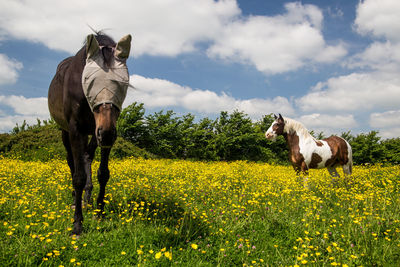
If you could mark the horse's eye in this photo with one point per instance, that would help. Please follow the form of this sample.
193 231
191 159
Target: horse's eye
96 109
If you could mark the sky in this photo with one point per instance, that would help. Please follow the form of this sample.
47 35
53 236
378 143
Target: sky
332 65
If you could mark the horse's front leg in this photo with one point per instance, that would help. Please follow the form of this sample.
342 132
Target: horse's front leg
302 173
70 158
103 175
301 170
78 147
88 168
304 170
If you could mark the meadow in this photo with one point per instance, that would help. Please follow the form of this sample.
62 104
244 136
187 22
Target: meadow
183 213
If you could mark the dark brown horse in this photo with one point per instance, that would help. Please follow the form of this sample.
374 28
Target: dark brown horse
85 98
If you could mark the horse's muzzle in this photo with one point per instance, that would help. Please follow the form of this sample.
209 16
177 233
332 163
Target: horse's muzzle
270 136
105 138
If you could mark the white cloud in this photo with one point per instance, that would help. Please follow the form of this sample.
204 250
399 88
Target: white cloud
28 109
155 92
379 18
390 133
257 107
158 27
26 106
387 123
272 44
335 12
317 120
382 56
277 44
356 91
385 119
7 123
162 93
328 124
374 86
8 69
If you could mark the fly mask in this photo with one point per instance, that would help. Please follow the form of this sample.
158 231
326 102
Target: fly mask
106 80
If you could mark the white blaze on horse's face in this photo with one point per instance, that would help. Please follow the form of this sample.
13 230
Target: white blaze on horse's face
276 128
271 134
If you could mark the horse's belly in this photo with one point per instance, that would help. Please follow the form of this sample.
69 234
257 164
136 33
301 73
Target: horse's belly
317 157
55 103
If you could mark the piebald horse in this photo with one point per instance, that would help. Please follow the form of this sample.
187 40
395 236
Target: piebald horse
306 152
85 99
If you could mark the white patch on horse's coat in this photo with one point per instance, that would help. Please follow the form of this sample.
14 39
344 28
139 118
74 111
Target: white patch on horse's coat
308 144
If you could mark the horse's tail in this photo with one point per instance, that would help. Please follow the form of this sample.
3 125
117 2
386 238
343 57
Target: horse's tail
349 164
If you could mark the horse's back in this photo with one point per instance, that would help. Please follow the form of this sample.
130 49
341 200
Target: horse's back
56 94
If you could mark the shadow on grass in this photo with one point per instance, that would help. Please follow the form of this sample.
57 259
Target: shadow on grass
166 214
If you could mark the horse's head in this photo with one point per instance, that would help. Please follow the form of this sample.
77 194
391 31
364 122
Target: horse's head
105 81
276 128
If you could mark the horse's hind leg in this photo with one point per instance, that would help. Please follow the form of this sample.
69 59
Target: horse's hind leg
347 168
88 168
103 175
333 172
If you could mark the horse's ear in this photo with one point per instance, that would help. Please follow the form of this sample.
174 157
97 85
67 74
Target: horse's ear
92 46
280 117
275 116
123 47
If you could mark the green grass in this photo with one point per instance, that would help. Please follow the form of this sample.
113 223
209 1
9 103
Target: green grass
180 213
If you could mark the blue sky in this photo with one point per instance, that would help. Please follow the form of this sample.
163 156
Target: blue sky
332 65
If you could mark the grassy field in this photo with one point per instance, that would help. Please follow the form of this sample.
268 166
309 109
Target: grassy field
168 213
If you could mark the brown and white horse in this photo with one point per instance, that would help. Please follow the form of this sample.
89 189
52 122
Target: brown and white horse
306 152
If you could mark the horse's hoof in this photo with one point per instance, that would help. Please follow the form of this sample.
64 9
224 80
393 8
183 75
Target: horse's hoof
77 230
73 234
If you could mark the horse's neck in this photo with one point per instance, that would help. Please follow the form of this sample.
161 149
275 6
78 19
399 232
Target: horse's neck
294 138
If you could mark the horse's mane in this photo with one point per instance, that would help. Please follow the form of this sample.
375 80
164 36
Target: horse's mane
104 39
295 126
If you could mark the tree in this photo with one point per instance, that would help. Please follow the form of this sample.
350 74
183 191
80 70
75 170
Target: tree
18 129
392 149
347 136
232 136
184 132
164 134
130 124
202 141
367 149
236 138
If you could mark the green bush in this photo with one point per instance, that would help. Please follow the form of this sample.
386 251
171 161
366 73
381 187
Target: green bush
229 137
43 143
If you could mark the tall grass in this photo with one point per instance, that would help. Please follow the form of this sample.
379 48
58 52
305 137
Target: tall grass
165 212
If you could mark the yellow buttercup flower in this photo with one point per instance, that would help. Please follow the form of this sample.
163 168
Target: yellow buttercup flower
158 255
